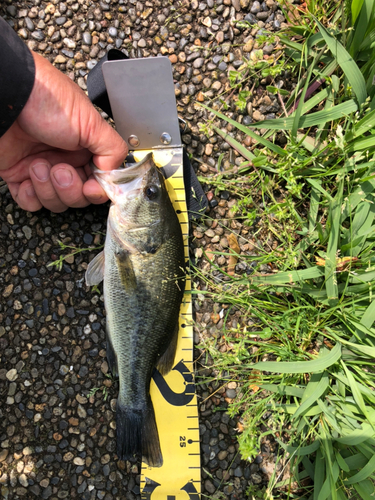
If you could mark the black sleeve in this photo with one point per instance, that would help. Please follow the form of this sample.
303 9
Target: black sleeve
17 72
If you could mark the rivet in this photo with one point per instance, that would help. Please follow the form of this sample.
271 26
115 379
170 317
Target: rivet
133 141
165 138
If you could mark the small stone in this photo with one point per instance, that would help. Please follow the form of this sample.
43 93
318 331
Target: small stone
257 116
12 375
69 43
256 478
29 24
81 411
209 486
198 63
11 10
60 59
23 480
78 461
81 399
255 8
8 290
3 455
86 38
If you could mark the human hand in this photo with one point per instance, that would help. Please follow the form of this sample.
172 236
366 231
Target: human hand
44 155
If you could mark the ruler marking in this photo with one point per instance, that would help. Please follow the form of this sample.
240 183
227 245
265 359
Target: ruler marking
177 455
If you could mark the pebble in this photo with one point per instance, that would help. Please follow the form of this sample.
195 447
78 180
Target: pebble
12 375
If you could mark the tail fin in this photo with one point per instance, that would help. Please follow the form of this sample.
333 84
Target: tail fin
137 434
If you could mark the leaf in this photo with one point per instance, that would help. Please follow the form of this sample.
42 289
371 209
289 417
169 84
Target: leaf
355 390
357 461
314 390
347 64
242 150
301 450
362 10
320 473
289 277
298 113
317 118
317 185
364 125
273 147
283 390
316 365
357 436
343 465
356 9
330 263
368 317
365 489
363 474
311 120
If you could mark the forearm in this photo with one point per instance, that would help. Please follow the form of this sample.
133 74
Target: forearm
17 72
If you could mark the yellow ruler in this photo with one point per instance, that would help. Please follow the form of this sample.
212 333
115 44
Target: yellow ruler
173 396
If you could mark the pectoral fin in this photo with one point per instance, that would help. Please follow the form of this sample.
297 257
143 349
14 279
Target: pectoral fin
125 268
95 270
111 358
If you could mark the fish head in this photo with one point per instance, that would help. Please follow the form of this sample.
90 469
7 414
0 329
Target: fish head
138 194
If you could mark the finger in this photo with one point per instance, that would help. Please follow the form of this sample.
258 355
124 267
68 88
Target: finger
41 179
68 185
20 171
94 192
24 194
108 148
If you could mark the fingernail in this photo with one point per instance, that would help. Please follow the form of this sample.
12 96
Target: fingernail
96 197
30 191
41 171
63 177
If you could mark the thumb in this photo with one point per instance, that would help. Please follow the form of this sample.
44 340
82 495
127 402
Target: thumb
107 146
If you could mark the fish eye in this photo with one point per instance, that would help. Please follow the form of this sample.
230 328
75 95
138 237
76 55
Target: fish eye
151 192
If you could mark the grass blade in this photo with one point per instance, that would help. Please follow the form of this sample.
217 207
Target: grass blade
316 365
317 118
318 388
330 263
289 277
270 145
235 144
347 64
363 474
365 489
320 472
355 390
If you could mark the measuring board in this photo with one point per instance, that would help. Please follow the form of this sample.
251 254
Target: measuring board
173 396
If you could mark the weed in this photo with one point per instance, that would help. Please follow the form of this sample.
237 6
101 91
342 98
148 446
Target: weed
74 251
304 343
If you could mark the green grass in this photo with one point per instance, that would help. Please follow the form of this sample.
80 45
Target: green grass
304 348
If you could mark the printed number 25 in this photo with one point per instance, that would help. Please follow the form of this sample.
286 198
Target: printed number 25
182 441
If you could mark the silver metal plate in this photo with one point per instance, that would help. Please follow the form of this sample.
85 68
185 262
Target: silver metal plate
141 93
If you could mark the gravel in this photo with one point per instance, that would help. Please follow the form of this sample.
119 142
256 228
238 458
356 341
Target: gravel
57 432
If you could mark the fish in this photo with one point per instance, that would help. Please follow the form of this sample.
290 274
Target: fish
142 267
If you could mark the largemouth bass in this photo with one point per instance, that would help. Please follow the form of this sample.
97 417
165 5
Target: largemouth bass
143 269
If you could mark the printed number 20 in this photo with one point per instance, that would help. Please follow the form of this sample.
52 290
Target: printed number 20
182 441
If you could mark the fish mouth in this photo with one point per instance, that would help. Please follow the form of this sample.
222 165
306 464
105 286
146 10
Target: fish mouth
124 175
124 183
